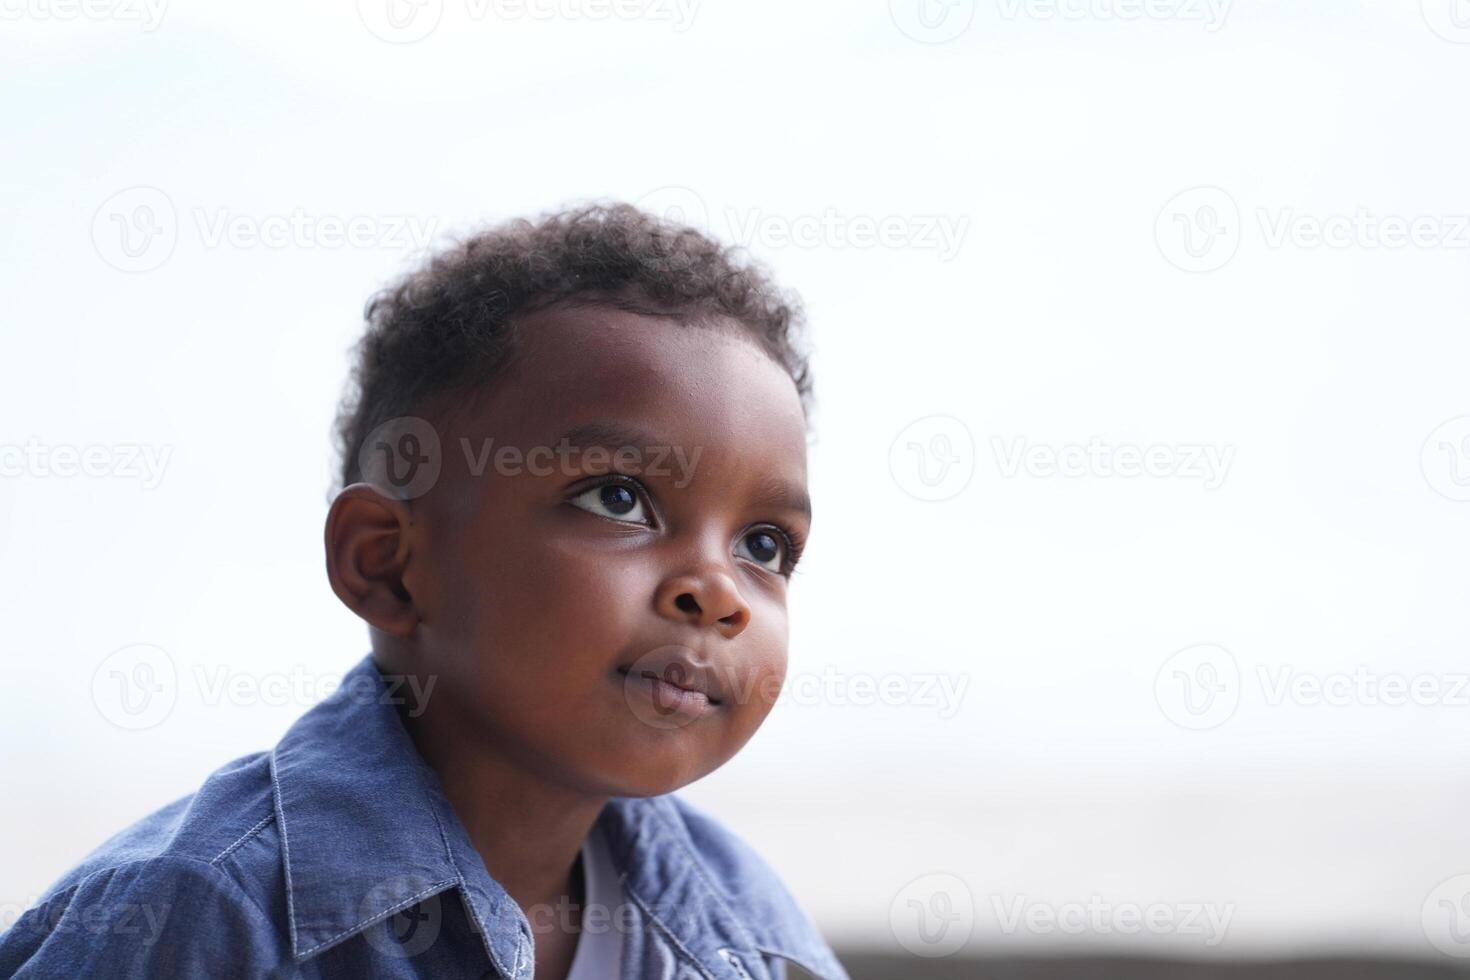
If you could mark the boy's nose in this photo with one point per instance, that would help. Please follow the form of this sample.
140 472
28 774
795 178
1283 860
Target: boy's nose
705 598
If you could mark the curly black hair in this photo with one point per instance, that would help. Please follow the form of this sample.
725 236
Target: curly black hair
447 326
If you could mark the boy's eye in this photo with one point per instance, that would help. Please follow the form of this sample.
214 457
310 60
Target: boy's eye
618 501
766 549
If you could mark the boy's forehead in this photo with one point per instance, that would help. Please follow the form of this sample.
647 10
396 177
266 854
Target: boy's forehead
590 369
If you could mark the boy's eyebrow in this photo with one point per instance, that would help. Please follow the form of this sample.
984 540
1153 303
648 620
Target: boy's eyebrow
614 435
608 435
777 492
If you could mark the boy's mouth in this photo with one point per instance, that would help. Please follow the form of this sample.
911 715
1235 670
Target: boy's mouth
675 675
661 704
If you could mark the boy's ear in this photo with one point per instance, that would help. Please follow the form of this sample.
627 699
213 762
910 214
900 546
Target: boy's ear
368 536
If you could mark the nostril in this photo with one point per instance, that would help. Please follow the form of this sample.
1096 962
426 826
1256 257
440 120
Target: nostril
686 603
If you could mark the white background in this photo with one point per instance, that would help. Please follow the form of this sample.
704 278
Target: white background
1062 148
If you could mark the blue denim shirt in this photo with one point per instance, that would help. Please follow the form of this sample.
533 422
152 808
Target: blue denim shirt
338 855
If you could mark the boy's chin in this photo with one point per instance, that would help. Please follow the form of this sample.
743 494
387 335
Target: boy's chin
651 777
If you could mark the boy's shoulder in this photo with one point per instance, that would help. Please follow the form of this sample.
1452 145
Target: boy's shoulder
315 847
202 865
230 808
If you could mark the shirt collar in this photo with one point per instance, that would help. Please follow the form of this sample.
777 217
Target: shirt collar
656 846
366 831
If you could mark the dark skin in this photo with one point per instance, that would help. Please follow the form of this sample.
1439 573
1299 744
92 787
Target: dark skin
532 598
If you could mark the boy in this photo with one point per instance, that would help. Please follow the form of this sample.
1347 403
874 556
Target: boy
574 468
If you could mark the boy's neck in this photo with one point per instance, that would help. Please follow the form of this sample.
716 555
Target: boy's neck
527 829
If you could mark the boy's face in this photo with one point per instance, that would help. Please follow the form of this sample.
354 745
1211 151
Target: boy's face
621 634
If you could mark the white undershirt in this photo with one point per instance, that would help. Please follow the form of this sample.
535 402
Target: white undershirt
599 953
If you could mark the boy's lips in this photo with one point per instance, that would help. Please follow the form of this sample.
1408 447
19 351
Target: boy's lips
688 679
677 678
